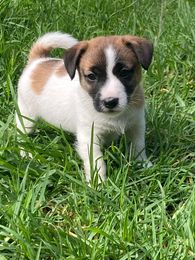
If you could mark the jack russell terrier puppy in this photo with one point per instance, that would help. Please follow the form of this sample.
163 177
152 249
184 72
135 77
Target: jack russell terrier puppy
97 86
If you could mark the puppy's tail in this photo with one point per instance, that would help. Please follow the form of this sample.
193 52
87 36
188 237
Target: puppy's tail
49 41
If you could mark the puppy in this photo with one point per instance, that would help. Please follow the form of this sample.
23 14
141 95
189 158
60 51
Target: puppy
95 89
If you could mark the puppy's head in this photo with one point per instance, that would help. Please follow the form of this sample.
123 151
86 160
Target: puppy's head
109 68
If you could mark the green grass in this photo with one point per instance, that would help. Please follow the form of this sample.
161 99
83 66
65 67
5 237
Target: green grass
47 211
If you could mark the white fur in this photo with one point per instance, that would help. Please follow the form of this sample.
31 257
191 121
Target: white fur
113 88
65 104
57 40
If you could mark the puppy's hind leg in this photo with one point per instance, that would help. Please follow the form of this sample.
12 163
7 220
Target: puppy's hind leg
24 118
24 121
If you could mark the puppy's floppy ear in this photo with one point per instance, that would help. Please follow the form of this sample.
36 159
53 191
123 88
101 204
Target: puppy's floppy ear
142 48
72 57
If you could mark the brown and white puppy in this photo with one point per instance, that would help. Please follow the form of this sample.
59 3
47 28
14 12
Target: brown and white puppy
99 86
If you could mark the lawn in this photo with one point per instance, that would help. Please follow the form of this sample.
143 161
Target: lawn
47 211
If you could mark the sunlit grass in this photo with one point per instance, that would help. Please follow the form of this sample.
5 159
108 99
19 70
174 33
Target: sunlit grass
47 211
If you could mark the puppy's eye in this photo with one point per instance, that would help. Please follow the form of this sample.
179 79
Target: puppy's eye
91 76
125 73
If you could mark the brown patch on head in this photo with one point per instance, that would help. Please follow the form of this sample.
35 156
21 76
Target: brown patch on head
94 58
86 54
132 53
42 73
127 57
94 55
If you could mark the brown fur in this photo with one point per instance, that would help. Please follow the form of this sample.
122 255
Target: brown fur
94 49
60 70
87 53
38 51
92 54
43 71
95 55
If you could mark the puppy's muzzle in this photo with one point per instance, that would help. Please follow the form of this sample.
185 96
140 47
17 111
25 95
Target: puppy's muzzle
110 102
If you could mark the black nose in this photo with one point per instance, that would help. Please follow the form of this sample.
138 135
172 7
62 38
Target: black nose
110 102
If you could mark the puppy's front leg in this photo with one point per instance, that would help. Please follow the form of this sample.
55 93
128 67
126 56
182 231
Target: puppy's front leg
89 150
136 134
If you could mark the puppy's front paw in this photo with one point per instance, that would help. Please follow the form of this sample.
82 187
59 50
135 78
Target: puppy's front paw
25 154
99 175
147 164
